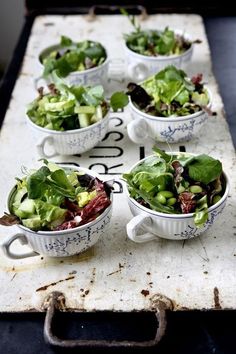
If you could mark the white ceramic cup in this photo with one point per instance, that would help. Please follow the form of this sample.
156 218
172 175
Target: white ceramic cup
91 77
69 142
165 129
148 225
59 243
140 67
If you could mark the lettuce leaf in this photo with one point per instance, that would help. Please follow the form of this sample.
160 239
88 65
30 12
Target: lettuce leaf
203 168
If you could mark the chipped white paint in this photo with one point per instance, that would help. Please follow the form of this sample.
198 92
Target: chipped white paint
112 275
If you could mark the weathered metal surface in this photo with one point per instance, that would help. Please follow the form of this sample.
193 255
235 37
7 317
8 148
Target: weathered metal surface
56 301
117 274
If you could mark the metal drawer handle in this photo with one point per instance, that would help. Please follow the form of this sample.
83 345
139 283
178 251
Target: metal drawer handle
105 8
56 301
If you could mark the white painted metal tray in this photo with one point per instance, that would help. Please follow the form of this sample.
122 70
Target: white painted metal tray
117 274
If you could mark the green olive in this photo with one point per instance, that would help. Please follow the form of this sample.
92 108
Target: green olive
53 100
161 199
216 198
180 189
171 201
195 189
166 194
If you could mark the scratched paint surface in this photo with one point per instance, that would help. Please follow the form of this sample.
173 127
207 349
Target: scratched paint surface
117 274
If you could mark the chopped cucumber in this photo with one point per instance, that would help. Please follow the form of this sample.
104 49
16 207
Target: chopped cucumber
26 208
85 109
84 120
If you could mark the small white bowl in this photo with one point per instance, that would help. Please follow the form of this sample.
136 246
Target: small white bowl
69 142
59 243
91 77
165 129
140 67
147 224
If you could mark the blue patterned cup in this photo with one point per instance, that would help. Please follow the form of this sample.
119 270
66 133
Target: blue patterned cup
165 129
59 243
140 67
51 143
148 225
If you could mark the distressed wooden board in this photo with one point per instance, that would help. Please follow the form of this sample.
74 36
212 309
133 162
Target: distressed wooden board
199 274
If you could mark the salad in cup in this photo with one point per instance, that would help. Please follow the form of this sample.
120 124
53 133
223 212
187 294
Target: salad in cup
82 62
73 119
150 50
153 43
60 210
170 93
180 193
168 106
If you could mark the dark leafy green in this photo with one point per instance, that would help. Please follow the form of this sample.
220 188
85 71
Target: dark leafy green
203 168
37 182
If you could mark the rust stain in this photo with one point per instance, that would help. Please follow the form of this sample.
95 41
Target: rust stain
45 287
217 298
13 276
86 292
117 271
145 292
92 280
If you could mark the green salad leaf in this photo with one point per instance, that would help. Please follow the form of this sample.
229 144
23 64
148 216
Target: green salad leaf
36 182
201 212
203 168
66 41
118 101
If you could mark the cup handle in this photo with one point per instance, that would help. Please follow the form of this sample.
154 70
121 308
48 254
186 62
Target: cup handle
41 145
138 71
23 240
137 130
135 224
116 69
